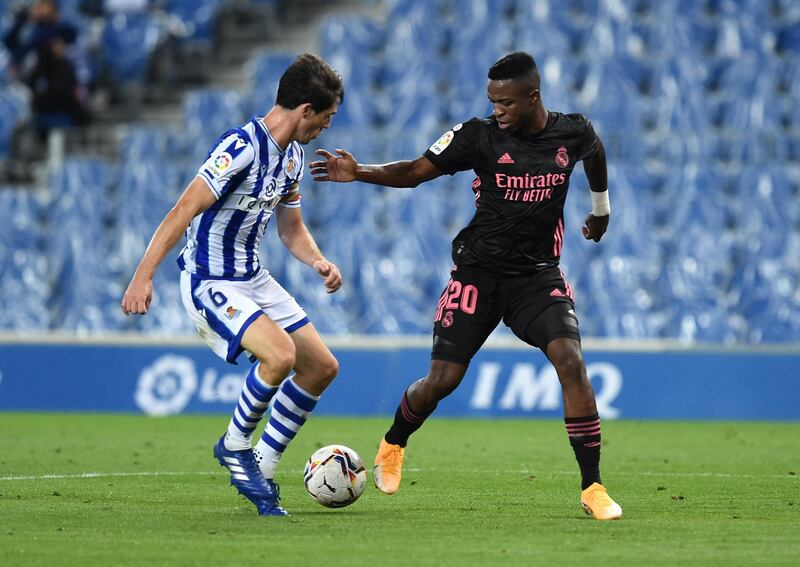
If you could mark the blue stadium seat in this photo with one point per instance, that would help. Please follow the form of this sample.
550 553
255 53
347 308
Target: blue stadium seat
207 114
14 109
25 265
198 17
86 293
127 42
265 71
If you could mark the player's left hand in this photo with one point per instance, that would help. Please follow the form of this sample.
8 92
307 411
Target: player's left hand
595 227
329 271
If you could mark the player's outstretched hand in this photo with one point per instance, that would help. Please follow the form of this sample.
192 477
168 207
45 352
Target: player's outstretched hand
137 297
329 271
333 168
595 227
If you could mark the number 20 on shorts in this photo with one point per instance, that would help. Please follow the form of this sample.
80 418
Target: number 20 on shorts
457 296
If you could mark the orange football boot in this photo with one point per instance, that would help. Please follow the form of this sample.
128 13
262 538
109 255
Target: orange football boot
596 502
388 467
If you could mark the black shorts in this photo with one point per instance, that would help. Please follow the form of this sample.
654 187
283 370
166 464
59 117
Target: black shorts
537 308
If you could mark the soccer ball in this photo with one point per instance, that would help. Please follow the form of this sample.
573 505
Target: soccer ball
335 476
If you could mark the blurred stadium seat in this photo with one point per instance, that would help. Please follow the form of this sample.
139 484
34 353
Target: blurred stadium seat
695 102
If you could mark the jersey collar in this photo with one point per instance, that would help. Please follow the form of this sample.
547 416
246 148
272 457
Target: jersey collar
260 119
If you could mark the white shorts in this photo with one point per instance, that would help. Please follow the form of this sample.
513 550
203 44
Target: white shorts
223 309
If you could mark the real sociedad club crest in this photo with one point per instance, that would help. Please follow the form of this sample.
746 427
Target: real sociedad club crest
562 159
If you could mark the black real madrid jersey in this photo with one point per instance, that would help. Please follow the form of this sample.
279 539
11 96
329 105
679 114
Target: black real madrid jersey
520 188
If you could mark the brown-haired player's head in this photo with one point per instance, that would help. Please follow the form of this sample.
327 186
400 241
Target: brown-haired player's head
313 87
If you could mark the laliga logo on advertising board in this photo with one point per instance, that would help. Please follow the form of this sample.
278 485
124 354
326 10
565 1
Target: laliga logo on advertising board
168 385
526 391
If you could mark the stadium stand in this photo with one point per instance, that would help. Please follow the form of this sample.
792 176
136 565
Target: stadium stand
695 102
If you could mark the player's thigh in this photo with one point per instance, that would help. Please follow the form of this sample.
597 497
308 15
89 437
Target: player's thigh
540 309
468 311
223 312
314 363
269 343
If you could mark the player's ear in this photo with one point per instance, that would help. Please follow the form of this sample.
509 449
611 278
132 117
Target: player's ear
306 110
533 96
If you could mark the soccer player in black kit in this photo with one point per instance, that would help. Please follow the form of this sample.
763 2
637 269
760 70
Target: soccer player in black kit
506 259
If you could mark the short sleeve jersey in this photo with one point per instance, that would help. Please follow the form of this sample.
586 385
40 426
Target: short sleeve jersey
250 175
520 189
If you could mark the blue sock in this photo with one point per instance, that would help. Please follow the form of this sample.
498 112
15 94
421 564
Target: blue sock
290 410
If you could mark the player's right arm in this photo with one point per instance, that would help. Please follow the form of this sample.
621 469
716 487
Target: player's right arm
195 199
344 168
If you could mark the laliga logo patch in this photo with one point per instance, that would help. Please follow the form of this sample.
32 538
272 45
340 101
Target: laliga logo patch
440 144
166 386
221 164
562 159
270 189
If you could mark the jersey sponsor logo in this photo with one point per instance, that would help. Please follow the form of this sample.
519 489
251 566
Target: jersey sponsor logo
529 188
220 164
505 158
442 143
562 159
249 204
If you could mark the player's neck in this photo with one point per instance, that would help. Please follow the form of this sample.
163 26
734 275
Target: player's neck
539 119
282 125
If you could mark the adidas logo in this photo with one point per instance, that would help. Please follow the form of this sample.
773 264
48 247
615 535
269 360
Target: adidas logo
505 158
557 293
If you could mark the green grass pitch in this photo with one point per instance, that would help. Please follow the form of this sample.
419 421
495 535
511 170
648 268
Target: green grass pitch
475 492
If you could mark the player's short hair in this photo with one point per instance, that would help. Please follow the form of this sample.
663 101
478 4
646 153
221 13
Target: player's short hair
309 79
517 65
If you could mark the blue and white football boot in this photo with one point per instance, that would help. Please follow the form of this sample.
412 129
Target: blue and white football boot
248 480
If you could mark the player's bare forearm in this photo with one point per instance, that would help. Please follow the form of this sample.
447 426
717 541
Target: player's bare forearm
164 239
398 173
295 235
344 168
298 240
194 200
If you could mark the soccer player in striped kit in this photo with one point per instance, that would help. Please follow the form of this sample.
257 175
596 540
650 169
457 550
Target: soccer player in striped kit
251 174
506 259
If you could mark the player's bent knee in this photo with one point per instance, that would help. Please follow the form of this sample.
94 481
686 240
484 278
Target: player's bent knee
278 363
441 385
566 357
329 369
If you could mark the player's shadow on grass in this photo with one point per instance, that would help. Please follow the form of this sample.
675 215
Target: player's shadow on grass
333 511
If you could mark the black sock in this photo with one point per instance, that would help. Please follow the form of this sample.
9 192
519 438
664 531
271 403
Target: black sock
405 423
584 436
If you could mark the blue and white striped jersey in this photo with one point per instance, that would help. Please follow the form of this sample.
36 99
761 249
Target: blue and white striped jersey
250 176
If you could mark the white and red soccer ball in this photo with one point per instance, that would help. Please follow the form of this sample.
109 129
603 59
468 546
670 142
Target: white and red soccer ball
334 476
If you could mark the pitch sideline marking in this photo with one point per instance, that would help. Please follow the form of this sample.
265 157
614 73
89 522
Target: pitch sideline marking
87 475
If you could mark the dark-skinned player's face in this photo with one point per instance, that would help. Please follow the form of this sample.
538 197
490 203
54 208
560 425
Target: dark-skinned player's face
513 103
